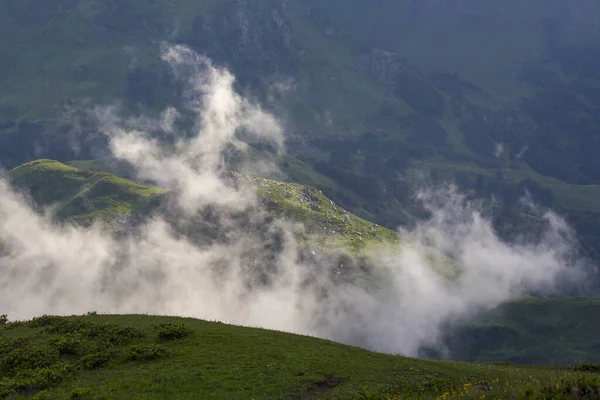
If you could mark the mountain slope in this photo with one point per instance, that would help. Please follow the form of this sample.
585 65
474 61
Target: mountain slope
484 42
366 94
522 331
142 357
81 195
524 71
531 331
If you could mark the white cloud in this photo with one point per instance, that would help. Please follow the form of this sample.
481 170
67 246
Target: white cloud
246 268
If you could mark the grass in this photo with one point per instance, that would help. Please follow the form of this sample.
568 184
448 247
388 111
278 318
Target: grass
570 196
484 43
110 165
541 331
288 169
326 223
124 357
83 195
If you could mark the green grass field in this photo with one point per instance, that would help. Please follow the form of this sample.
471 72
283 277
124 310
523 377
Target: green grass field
148 357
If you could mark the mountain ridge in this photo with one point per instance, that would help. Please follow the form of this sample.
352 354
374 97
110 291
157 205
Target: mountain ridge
343 118
83 196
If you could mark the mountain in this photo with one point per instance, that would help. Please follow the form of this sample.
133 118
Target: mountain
487 43
500 97
530 331
134 356
377 98
549 331
83 196
531 63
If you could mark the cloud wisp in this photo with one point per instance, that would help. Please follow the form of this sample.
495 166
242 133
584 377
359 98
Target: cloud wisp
213 253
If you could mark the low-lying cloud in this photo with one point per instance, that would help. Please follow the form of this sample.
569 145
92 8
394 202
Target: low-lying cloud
214 253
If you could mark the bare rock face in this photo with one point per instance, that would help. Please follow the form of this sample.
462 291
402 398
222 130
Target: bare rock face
307 197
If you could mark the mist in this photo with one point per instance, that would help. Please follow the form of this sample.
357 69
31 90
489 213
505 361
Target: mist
212 252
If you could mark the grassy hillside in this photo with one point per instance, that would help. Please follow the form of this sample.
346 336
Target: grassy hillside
515 83
145 357
484 42
533 331
82 195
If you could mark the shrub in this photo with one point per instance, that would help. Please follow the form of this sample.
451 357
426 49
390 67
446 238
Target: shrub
502 363
43 395
77 393
146 352
95 360
24 358
108 333
170 331
44 320
26 367
582 388
9 345
587 367
60 325
5 390
15 324
114 334
3 319
69 345
41 378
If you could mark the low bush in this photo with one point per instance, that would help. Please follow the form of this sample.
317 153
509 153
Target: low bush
78 393
581 388
114 334
67 345
502 363
32 380
43 395
44 320
23 358
172 331
59 325
587 367
95 360
146 352
29 365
